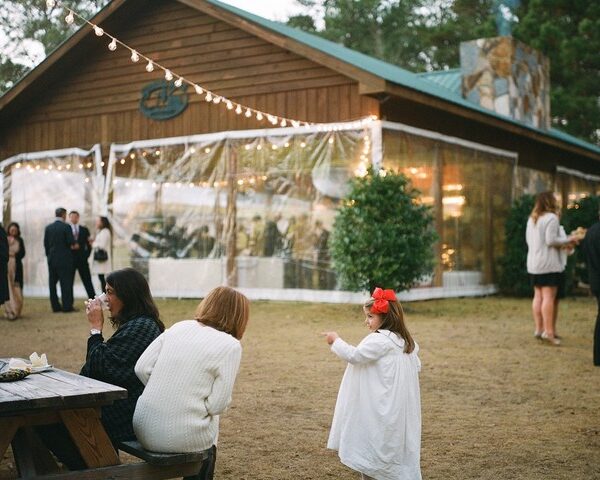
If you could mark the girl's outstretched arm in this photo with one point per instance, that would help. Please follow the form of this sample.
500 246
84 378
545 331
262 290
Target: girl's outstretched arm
369 350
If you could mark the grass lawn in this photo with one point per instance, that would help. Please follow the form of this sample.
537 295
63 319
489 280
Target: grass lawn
496 404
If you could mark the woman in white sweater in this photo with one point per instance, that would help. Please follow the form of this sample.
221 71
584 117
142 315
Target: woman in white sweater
545 263
189 372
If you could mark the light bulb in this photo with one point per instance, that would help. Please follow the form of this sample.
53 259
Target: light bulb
70 18
198 89
248 113
229 105
283 123
98 31
295 123
112 46
134 56
208 97
168 75
217 100
259 116
150 66
238 109
179 82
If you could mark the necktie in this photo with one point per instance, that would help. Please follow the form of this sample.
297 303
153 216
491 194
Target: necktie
75 232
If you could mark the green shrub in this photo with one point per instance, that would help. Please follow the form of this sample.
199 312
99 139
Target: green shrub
513 279
382 235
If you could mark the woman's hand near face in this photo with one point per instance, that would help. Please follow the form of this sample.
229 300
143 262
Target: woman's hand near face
94 313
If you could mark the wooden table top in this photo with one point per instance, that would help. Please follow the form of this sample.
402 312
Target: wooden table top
55 389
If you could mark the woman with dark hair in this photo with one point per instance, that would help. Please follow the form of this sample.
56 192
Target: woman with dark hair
136 320
102 262
16 252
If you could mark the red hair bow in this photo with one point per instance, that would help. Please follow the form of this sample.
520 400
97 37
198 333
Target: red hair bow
382 299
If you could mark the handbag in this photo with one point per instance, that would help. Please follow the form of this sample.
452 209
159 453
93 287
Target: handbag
100 255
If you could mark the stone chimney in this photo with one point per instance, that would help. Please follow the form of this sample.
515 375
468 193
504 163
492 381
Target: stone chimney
508 77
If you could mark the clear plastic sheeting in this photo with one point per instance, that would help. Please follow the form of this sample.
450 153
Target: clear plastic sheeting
469 188
34 185
251 209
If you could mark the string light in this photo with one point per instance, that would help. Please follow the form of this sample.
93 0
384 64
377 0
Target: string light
150 67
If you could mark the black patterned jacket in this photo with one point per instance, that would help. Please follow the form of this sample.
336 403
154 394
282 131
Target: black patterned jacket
113 362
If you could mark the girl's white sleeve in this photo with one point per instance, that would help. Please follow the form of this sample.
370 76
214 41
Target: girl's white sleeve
147 360
369 350
220 397
552 233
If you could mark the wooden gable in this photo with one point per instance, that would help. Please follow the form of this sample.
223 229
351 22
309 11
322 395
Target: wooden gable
97 99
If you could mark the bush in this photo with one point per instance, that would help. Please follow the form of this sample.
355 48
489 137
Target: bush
382 235
513 279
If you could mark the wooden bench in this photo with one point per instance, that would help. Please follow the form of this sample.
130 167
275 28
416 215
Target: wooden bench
159 466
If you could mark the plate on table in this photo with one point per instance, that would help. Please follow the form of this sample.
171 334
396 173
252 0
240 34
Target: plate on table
41 368
13 375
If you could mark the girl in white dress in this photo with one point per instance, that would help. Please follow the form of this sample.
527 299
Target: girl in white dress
376 426
102 241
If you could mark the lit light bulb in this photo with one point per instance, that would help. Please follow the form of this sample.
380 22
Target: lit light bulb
248 113
217 100
208 97
198 89
70 18
238 109
134 56
259 116
179 82
229 105
295 123
112 46
168 75
150 66
98 31
122 161
283 123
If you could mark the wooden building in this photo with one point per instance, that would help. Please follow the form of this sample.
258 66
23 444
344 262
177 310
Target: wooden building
85 95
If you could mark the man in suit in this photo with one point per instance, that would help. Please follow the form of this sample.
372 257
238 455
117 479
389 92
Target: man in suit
58 243
81 253
591 247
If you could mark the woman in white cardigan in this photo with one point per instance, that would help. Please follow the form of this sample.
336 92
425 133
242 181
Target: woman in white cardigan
102 241
189 372
545 263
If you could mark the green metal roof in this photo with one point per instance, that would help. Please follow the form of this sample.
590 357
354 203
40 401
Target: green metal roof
449 79
425 83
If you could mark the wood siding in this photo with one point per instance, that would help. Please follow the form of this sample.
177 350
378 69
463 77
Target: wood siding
98 100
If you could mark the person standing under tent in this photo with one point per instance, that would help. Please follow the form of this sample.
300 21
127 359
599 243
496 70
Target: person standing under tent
101 245
58 243
81 253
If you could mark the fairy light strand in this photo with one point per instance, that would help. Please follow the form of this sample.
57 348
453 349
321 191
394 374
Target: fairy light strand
179 80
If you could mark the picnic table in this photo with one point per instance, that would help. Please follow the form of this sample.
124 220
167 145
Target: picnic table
57 396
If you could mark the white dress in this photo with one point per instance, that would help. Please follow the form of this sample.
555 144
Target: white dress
376 426
103 241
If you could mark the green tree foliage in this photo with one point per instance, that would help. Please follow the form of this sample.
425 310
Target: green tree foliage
568 33
513 279
425 35
23 22
382 235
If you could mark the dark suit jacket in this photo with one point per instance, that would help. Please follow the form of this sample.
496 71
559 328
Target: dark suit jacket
591 247
83 238
58 239
4 293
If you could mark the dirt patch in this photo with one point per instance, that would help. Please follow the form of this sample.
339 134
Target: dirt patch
495 402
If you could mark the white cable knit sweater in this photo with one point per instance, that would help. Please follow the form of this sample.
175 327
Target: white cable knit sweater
189 372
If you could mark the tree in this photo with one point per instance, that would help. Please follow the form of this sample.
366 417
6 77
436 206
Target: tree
27 22
382 235
424 35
